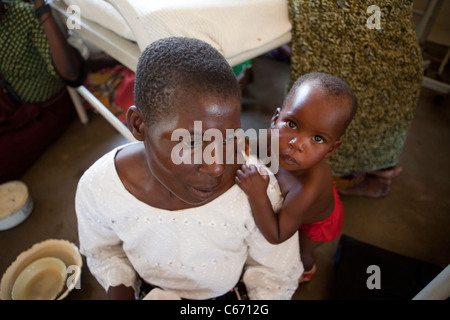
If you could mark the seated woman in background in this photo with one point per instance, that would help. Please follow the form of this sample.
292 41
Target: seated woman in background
36 65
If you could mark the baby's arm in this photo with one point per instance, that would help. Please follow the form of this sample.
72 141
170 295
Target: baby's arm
280 226
255 185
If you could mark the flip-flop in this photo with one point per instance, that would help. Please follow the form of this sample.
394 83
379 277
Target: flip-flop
308 275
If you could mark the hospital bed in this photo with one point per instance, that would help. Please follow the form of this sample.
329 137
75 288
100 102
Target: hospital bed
240 30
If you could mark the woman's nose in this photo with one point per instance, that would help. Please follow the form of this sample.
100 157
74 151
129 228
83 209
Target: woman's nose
212 162
214 169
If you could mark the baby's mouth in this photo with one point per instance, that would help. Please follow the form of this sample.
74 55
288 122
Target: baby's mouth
288 159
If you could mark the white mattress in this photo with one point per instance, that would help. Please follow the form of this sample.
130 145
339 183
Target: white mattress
239 29
103 13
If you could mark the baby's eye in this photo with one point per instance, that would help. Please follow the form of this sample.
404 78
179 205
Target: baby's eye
318 139
291 124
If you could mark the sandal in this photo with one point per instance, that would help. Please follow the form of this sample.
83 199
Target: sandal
308 275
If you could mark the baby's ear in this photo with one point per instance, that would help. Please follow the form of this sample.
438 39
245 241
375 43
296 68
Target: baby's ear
275 117
333 148
135 123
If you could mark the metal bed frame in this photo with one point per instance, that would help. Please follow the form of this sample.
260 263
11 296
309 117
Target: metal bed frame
126 52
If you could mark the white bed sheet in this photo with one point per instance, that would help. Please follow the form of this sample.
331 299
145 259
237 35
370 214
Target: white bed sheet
104 14
239 29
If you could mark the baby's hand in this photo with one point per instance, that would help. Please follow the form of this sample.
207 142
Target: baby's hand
251 181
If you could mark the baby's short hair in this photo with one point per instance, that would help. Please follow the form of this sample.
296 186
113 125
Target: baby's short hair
333 85
174 63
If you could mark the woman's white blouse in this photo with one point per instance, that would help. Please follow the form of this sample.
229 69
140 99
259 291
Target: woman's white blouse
196 253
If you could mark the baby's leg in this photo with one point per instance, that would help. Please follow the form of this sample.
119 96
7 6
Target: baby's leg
307 247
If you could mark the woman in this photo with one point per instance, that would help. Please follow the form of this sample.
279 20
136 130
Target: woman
36 64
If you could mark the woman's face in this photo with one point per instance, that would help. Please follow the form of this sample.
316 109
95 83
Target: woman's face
174 145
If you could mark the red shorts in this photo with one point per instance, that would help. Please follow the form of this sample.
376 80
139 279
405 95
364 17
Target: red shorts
328 229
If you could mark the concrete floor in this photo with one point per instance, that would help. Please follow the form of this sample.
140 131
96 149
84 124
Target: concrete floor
413 220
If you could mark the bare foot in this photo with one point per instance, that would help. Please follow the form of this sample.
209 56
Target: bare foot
388 173
372 186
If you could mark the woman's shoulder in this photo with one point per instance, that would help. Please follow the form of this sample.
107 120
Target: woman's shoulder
129 156
105 165
22 9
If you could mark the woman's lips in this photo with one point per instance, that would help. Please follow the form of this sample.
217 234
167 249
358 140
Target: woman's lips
204 192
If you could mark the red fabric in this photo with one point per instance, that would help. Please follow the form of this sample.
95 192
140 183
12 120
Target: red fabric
26 130
330 228
114 87
125 94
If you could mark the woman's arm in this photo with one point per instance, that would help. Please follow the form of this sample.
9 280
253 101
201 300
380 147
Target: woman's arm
101 246
68 63
121 292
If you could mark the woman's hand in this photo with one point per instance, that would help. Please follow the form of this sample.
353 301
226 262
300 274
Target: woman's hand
67 62
121 292
38 3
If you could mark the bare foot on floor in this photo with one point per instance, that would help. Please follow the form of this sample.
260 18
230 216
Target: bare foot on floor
388 173
375 184
372 186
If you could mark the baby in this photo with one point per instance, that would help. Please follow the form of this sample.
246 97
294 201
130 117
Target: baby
314 116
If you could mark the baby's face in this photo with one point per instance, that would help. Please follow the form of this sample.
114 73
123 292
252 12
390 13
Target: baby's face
177 147
309 127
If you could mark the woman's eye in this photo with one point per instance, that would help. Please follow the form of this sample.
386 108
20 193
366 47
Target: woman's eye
228 139
189 142
291 124
318 139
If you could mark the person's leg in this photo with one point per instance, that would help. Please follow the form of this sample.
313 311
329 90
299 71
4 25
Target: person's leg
307 247
25 142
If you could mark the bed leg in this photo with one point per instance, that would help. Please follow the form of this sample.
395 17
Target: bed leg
78 105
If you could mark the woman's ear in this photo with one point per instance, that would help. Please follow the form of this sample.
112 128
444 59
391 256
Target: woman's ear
333 148
135 123
275 117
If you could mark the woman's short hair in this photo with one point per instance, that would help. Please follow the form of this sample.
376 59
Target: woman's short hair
174 64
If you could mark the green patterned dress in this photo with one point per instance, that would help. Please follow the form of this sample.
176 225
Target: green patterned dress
379 58
25 59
